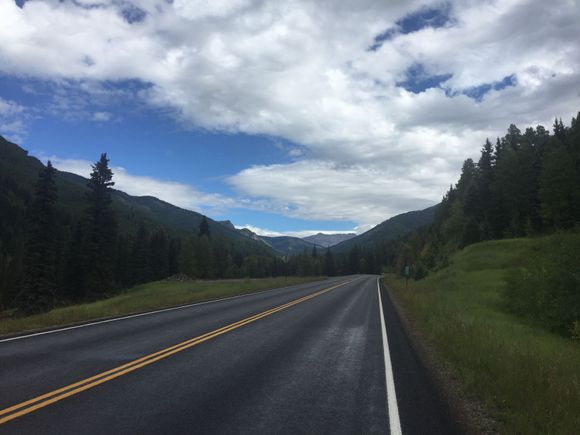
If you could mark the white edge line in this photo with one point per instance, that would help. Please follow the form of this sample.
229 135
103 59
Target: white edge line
84 325
393 408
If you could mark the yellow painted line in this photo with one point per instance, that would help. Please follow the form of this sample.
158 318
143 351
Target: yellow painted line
85 384
124 366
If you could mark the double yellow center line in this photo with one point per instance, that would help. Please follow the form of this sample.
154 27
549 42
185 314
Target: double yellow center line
36 403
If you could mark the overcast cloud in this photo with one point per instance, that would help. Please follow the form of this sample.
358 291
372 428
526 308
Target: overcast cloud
370 146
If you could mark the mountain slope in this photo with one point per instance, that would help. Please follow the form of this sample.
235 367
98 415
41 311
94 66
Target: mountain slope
22 169
285 245
327 240
389 229
288 245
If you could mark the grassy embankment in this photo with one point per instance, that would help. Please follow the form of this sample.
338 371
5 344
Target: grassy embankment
150 296
528 377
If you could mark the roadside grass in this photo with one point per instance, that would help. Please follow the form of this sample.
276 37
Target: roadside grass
144 297
528 377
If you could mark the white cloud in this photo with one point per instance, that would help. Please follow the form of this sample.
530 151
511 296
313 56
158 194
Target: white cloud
196 9
300 70
9 108
179 194
295 152
323 190
102 116
12 120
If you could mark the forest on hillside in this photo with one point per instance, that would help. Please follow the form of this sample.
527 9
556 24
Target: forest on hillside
50 257
52 254
525 184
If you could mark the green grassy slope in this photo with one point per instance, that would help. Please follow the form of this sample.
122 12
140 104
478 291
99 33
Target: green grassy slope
528 377
150 296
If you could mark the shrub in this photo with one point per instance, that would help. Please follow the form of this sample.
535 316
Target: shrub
547 289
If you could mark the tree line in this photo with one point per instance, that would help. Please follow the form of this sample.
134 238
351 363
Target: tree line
525 184
59 260
50 258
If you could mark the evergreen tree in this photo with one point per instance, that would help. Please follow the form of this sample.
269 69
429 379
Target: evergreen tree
158 260
354 258
123 261
221 257
39 291
329 265
188 258
467 178
559 196
174 250
74 281
101 237
139 260
560 130
513 137
204 258
485 168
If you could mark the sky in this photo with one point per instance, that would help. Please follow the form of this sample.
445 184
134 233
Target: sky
286 117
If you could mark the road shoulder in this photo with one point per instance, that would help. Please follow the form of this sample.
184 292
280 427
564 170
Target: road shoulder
470 415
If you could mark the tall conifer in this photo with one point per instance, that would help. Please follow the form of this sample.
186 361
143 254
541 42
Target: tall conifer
39 283
101 229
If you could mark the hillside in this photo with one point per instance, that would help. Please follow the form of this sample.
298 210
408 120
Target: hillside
328 240
289 245
389 229
16 164
284 245
528 376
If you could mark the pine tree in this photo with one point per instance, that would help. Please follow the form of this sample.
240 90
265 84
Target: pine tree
123 261
513 137
174 250
354 257
560 130
467 178
204 258
158 256
221 257
39 291
75 276
101 235
329 265
485 168
188 258
139 262
557 191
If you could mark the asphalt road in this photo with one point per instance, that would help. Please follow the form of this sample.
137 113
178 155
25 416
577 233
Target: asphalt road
305 359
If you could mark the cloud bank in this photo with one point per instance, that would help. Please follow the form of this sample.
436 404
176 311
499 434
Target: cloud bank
383 101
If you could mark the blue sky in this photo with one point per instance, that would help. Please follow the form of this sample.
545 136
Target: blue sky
148 142
289 119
